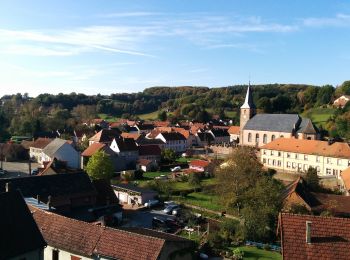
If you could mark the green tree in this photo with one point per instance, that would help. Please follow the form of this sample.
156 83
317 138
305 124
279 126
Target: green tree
264 103
312 180
100 166
162 115
325 94
168 155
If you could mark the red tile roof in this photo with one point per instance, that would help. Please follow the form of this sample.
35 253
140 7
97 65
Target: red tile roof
199 163
41 143
330 237
316 147
144 162
134 136
92 149
345 175
234 130
87 239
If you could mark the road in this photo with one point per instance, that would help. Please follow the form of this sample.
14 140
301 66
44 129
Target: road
17 169
142 218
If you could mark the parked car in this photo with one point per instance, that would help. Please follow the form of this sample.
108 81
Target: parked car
176 169
35 171
168 203
151 203
2 172
170 209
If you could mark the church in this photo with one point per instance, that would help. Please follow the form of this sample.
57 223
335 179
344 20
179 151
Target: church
259 129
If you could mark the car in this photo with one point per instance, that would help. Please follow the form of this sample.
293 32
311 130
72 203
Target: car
35 171
151 203
165 224
169 209
2 172
176 169
161 177
168 203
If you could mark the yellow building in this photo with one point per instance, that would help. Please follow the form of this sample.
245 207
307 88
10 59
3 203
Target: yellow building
297 155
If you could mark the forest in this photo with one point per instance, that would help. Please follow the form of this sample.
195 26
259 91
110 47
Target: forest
24 115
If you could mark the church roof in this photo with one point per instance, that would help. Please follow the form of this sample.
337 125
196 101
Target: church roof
248 102
273 122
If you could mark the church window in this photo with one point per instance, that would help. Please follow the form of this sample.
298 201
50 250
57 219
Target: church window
265 138
273 137
257 138
249 137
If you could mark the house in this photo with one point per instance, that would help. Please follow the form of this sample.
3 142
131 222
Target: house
126 149
144 128
260 129
36 149
98 122
204 139
134 136
94 148
150 152
145 165
296 155
174 141
72 239
147 141
298 194
234 133
345 181
314 237
341 101
64 192
221 136
104 136
20 237
62 151
199 165
128 194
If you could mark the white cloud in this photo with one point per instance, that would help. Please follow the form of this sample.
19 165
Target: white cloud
339 20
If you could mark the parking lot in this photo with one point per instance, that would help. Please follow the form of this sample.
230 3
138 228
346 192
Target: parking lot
17 169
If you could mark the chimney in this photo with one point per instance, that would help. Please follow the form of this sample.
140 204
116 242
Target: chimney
8 186
308 232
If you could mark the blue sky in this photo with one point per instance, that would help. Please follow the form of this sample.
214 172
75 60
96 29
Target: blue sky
105 47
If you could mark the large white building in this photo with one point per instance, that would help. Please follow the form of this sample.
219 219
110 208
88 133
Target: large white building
296 155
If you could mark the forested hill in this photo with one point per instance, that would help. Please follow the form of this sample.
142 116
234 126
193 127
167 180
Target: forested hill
20 114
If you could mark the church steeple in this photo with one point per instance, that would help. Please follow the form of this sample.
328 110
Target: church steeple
248 102
248 110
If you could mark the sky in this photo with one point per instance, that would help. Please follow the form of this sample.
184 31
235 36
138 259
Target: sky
115 46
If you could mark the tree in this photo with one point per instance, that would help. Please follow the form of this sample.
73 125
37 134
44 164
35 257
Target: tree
100 166
264 103
325 94
162 115
194 180
312 179
168 155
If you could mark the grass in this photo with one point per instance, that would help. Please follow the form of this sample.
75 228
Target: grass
319 116
203 200
108 118
254 253
193 236
149 116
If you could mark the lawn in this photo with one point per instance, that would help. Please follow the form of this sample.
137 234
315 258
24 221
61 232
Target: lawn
319 116
152 175
108 118
253 253
149 116
203 200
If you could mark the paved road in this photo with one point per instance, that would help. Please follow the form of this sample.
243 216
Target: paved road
142 218
16 169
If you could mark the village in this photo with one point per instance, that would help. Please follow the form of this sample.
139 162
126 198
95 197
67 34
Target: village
155 190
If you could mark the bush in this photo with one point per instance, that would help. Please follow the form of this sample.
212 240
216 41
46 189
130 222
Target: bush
237 253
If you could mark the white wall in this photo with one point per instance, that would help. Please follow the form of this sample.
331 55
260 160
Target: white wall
62 255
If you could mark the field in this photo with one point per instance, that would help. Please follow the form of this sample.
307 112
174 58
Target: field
253 253
108 118
149 116
203 200
319 116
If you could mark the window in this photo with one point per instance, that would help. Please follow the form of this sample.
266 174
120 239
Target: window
318 159
293 165
329 160
288 164
265 138
305 157
273 137
272 152
279 164
296 156
264 160
335 172
279 154
349 163
328 171
288 155
274 162
339 162
264 152
55 254
257 138
249 137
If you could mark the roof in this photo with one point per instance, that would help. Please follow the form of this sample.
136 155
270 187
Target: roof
54 146
144 162
130 187
92 149
19 232
105 136
173 136
205 137
150 150
306 127
314 147
27 144
134 136
274 122
54 185
345 175
41 143
220 132
330 237
234 130
88 240
105 193
126 144
145 126
199 163
147 141
248 102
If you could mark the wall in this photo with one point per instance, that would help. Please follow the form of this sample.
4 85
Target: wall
62 255
261 137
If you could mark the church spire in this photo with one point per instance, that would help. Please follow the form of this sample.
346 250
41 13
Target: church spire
248 102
